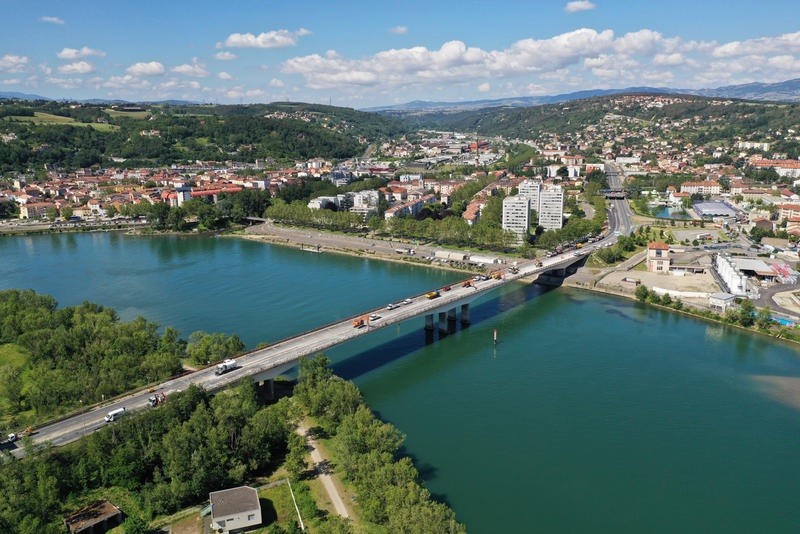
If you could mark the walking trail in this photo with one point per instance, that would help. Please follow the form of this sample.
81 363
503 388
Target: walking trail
321 468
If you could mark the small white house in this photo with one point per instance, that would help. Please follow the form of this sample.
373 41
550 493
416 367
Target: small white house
234 509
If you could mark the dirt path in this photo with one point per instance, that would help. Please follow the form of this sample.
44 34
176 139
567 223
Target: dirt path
322 468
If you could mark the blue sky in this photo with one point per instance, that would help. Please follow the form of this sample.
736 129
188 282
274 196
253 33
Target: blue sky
361 54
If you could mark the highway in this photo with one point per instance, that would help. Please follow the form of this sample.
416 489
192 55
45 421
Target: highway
619 212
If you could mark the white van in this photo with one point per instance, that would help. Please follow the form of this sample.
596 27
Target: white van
113 415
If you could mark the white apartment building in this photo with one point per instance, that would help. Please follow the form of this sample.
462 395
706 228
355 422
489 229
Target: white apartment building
530 189
517 215
551 207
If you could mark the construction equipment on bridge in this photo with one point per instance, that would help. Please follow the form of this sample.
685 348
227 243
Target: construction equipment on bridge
157 400
361 321
466 283
431 295
497 275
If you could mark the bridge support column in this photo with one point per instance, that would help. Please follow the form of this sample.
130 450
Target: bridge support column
451 315
464 314
443 322
429 322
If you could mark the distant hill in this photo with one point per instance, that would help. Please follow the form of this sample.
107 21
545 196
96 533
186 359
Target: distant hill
93 101
786 91
11 95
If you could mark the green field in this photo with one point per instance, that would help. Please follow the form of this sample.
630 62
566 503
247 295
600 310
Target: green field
48 118
129 114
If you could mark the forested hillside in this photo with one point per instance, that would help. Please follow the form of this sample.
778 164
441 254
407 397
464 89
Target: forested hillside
72 136
706 119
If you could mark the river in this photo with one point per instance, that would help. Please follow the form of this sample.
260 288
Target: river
589 414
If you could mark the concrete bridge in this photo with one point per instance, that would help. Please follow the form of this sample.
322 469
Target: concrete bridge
264 364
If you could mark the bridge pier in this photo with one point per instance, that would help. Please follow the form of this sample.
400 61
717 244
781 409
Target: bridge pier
429 322
442 322
266 388
464 314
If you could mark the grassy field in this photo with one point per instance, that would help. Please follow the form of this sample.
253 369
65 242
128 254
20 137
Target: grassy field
47 118
129 114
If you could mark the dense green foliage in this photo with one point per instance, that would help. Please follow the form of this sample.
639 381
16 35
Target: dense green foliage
389 492
165 458
79 355
183 134
202 213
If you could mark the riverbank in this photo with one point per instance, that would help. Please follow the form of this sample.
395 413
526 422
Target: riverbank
316 242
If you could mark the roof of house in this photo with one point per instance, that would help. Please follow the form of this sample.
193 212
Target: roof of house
657 245
234 500
95 513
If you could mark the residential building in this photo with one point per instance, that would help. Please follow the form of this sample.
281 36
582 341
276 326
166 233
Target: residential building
517 215
34 210
658 257
707 187
530 189
234 509
551 207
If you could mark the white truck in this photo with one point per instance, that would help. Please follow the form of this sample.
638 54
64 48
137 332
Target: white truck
225 366
113 415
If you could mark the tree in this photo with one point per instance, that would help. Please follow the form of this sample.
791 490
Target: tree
66 212
764 318
746 313
295 461
642 293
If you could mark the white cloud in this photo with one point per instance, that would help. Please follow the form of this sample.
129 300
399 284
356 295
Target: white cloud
149 68
12 81
224 55
578 5
785 62
254 92
275 82
45 68
65 83
128 81
271 39
485 87
399 30
669 59
12 63
224 76
52 20
78 53
195 69
79 67
787 43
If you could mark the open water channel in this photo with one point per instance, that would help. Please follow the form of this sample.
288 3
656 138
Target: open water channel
590 414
